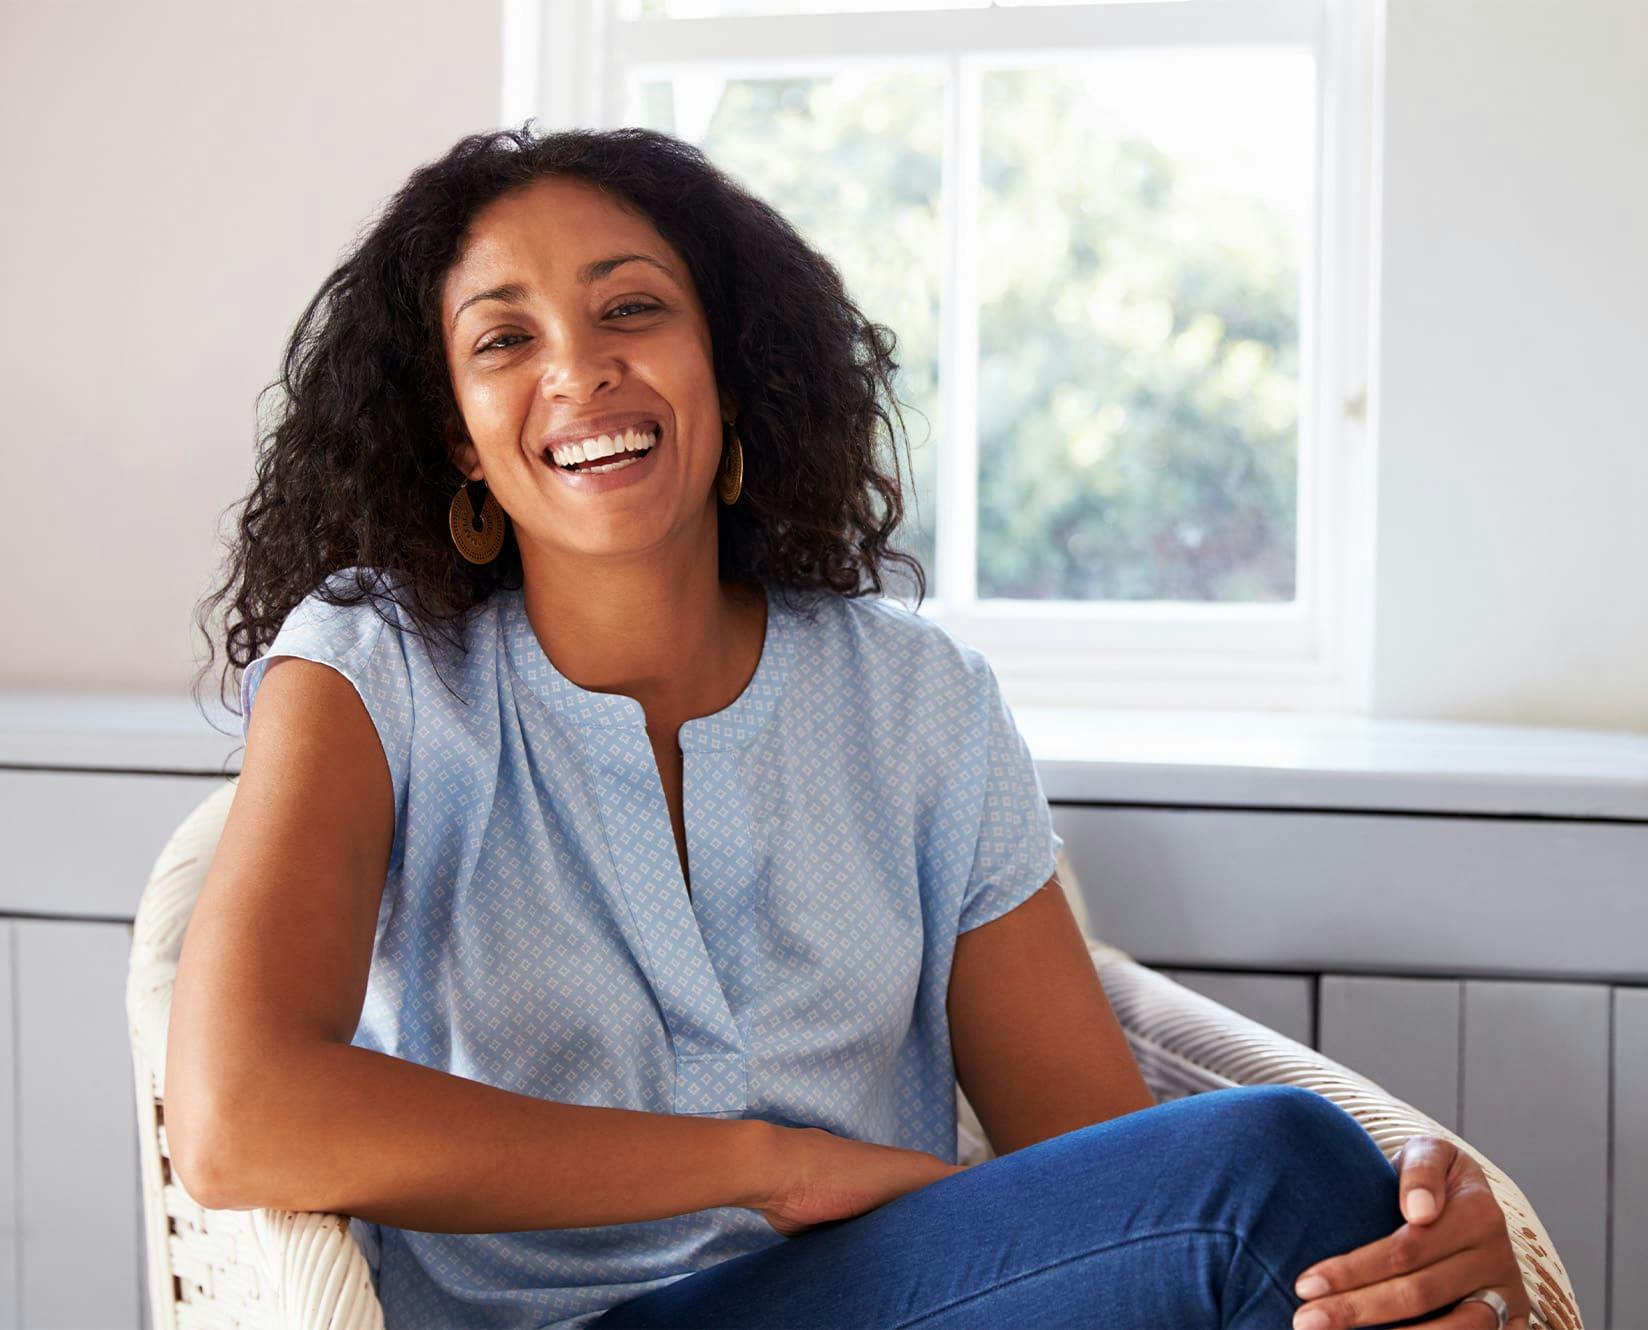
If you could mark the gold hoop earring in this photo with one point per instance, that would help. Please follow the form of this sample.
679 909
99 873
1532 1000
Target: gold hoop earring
481 539
730 480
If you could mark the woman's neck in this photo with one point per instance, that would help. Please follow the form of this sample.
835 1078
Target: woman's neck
675 638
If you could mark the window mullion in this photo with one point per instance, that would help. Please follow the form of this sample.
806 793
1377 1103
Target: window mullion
574 75
956 537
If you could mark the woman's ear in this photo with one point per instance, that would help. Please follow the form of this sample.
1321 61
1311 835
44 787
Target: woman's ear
464 456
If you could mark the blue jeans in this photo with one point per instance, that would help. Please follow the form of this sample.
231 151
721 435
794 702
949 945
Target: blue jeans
1197 1212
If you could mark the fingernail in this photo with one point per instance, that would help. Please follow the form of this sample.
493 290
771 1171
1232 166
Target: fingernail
1311 1318
1311 1286
1421 1204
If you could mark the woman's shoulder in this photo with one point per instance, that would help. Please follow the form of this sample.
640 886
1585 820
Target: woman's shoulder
363 603
343 615
362 620
881 646
886 627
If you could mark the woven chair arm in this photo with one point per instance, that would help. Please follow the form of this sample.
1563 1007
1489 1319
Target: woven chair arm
252 1269
317 1269
1186 1043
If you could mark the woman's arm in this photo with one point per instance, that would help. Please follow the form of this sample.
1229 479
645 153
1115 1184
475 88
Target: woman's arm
1037 1049
268 1104
357 1132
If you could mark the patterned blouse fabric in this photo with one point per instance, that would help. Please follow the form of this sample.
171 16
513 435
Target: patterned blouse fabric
865 799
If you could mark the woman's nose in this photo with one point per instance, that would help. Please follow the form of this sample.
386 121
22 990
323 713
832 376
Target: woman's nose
578 364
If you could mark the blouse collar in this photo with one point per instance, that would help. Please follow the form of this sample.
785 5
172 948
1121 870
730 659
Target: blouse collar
735 725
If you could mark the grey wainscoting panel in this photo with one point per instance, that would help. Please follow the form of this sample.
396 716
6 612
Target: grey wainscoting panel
76 1119
1535 1101
1628 1266
1370 893
145 1317
1282 1002
82 843
11 1310
1402 1034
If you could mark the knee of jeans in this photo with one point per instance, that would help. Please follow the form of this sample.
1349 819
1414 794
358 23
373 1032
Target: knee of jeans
1309 1180
1319 1156
1300 1121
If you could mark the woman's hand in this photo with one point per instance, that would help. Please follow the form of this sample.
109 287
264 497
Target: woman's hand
825 1177
1452 1246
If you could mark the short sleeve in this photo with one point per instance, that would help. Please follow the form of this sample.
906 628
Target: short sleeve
1017 847
356 642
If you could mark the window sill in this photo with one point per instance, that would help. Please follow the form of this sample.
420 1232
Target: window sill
1184 758
1268 760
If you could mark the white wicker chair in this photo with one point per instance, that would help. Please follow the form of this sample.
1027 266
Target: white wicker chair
263 1269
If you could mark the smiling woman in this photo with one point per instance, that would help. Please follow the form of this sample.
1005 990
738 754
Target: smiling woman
584 965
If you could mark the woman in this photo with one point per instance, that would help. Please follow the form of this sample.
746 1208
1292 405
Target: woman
613 890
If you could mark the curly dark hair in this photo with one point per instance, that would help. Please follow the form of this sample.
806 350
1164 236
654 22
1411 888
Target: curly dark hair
355 470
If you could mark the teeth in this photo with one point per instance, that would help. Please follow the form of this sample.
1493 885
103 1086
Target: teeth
605 445
611 466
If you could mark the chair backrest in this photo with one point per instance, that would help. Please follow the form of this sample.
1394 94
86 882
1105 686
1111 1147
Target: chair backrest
235 1269
162 917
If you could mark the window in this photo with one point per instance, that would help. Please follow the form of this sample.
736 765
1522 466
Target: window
1122 245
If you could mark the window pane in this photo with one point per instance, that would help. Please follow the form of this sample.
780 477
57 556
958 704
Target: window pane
1142 229
852 160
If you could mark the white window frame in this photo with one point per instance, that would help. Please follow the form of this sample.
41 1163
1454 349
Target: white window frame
572 63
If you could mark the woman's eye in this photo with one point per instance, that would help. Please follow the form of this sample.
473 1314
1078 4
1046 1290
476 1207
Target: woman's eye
503 342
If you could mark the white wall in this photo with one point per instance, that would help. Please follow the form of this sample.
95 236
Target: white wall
180 176
1512 579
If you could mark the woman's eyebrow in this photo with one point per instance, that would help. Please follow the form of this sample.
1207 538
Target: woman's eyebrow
594 271
510 293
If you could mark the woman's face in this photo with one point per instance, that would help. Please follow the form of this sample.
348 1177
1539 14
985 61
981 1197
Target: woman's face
548 333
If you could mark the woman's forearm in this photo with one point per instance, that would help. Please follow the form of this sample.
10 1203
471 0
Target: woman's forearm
348 1130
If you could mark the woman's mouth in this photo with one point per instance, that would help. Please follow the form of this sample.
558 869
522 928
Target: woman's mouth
588 464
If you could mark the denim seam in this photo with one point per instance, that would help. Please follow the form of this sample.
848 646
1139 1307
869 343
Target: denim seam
1286 1292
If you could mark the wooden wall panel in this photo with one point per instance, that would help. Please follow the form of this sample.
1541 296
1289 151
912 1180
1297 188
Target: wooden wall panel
1400 1033
1535 1101
77 1182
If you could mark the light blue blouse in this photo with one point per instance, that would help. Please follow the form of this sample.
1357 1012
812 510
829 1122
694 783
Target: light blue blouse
866 798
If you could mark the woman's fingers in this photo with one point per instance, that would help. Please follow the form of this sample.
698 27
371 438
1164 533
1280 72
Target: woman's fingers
1421 1268
1423 1165
1431 1288
1472 1316
1411 1247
